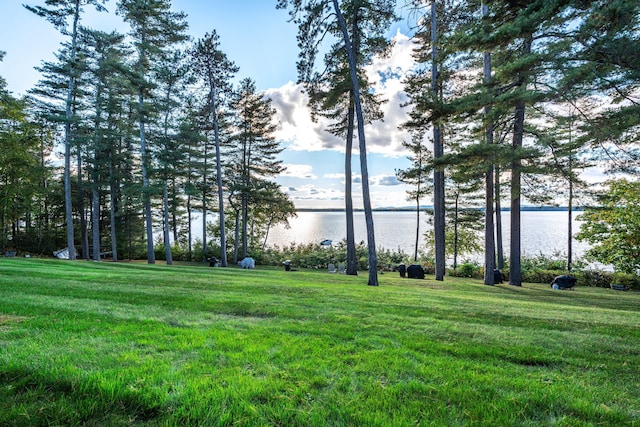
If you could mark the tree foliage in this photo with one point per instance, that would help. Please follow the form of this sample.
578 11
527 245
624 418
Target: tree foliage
613 226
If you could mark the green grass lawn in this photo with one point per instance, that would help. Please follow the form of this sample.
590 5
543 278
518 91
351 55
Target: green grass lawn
86 343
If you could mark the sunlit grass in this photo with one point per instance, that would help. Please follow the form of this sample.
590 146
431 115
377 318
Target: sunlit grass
122 344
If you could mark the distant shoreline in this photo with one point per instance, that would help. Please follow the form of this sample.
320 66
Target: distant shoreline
410 209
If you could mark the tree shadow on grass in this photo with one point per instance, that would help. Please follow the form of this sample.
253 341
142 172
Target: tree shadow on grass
31 398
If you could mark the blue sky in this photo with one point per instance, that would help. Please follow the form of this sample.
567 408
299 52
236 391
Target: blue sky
258 38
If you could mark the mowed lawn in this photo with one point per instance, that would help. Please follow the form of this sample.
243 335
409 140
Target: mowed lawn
85 343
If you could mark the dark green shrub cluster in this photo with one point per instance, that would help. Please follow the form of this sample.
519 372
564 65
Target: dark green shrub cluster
631 281
181 252
541 276
313 255
604 279
594 278
468 269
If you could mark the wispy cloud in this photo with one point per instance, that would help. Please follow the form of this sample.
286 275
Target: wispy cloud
299 171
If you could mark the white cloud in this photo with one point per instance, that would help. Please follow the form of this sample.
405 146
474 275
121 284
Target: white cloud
386 180
299 171
294 119
334 176
383 137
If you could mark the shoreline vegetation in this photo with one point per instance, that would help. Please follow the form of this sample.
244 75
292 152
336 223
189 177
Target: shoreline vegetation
413 209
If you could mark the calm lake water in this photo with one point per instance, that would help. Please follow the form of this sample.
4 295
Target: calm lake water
542 232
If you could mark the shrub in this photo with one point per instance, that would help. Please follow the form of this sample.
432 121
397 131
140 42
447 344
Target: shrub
595 278
467 269
541 276
629 280
554 262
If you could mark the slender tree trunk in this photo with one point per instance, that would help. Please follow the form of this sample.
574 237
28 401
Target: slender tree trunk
489 236
570 228
205 172
189 228
415 249
112 212
570 213
244 199
68 205
455 233
237 237
165 225
81 208
515 273
371 243
352 264
146 190
245 225
216 130
498 201
205 245
174 220
438 152
95 220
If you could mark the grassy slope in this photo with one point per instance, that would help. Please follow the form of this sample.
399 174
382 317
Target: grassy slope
106 344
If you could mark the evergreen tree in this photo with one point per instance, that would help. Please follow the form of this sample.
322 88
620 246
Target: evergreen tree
171 75
332 96
217 71
417 176
154 28
58 13
604 62
316 19
254 149
526 39
429 89
21 171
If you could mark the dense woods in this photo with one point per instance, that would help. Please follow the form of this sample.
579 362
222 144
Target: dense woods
511 98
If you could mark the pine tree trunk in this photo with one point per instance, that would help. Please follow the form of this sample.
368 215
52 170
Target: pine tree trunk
415 249
371 244
95 220
205 246
216 130
438 174
189 229
352 264
112 212
498 217
165 227
68 205
489 236
570 221
81 208
515 273
570 213
146 190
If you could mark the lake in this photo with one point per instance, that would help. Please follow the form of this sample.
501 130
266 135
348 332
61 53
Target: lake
543 232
